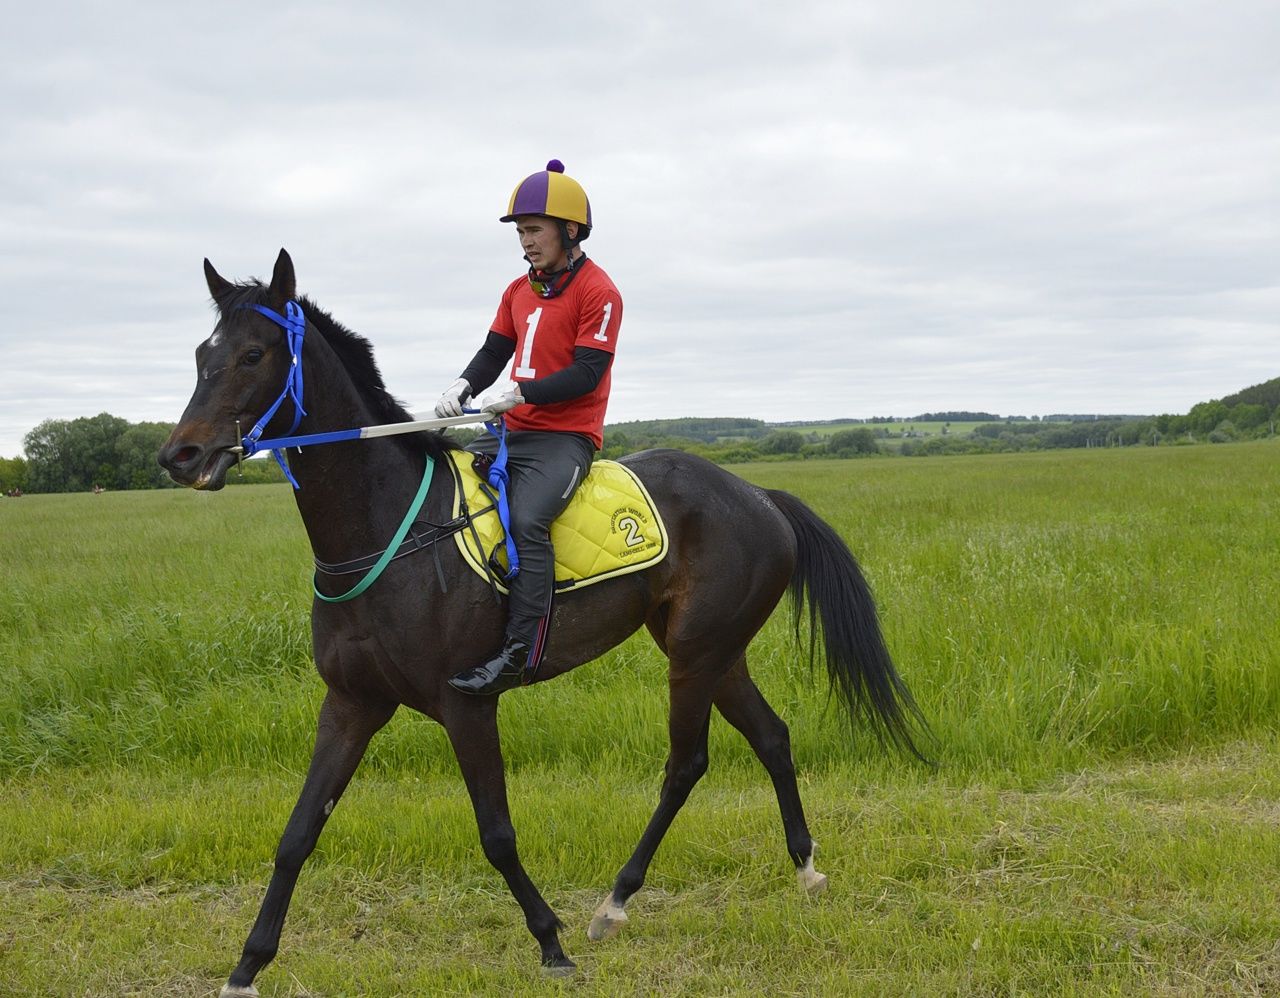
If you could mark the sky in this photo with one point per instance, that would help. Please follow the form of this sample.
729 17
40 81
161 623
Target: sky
814 210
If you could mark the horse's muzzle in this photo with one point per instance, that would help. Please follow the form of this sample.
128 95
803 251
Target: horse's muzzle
196 465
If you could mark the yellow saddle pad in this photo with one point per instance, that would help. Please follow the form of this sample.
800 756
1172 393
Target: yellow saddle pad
610 527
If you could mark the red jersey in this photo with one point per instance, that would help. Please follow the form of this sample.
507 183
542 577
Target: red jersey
546 330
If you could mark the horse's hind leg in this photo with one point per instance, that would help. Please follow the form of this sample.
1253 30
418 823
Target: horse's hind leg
342 736
688 725
740 702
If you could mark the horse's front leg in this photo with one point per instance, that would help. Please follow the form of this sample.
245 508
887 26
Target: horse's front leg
472 725
342 736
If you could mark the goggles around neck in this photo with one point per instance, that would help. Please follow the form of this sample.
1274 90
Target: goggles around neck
550 285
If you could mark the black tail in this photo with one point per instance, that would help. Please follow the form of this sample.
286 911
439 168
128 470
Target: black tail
859 668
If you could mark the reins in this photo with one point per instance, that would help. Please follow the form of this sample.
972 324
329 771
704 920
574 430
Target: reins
294 323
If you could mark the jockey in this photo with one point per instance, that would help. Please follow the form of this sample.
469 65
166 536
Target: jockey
560 324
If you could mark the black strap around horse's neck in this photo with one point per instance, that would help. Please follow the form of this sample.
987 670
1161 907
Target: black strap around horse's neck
420 541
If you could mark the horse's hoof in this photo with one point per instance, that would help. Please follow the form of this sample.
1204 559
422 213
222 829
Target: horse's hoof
565 968
236 991
607 921
811 881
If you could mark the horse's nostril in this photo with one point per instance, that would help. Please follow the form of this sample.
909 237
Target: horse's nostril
185 455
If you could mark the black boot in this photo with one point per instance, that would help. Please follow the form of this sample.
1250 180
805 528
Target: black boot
505 671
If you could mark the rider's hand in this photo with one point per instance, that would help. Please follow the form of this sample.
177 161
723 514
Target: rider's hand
497 404
452 400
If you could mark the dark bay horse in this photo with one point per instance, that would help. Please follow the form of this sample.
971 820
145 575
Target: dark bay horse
735 550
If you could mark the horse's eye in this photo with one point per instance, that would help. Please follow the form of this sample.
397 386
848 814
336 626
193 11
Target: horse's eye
252 357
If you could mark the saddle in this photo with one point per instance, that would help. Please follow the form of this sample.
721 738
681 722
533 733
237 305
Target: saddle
611 527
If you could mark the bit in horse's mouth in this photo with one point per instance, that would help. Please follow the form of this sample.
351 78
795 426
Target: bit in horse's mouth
213 475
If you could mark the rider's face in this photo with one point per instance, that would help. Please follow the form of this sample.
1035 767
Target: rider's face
541 242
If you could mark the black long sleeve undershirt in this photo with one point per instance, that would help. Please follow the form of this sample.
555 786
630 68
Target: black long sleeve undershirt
489 361
580 377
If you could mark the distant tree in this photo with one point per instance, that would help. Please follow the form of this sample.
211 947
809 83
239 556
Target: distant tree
738 454
1249 416
1223 433
1205 417
74 455
1266 394
92 456
47 449
958 417
787 442
616 445
849 443
136 450
13 474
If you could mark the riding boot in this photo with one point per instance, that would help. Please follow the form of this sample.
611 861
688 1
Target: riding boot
505 671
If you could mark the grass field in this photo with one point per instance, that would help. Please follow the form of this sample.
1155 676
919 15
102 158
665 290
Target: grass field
1092 634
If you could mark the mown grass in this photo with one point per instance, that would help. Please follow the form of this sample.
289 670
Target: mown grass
1091 635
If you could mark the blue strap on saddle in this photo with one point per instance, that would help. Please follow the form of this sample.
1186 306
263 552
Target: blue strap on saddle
499 479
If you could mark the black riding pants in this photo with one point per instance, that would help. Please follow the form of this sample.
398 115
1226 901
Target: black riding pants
545 470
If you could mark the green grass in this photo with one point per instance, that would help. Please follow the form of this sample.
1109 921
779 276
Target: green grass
1092 635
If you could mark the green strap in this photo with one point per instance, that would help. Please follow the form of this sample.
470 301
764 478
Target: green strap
372 575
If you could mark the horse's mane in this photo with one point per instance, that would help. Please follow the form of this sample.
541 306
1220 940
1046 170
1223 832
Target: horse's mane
355 354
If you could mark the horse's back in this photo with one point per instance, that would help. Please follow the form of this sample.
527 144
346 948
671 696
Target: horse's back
704 505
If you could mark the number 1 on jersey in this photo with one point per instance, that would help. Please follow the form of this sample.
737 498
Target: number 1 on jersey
526 355
608 313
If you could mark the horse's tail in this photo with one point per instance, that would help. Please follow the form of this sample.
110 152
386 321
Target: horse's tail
859 667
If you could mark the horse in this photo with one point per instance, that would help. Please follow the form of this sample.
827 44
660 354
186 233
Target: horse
735 551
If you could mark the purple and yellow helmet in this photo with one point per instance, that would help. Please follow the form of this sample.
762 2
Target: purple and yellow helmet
550 193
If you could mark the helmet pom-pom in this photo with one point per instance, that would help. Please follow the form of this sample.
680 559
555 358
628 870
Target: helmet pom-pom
555 166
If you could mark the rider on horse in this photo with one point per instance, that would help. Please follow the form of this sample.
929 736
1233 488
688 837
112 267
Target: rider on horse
560 322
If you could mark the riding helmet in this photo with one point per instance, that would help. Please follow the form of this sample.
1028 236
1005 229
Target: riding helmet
552 194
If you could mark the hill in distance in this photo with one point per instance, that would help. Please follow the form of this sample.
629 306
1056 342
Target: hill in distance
1267 393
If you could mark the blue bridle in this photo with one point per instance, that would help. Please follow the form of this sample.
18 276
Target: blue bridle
294 323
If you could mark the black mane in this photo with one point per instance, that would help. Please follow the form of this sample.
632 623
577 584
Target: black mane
356 355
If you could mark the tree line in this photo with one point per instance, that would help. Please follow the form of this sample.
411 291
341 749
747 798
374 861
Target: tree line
1218 421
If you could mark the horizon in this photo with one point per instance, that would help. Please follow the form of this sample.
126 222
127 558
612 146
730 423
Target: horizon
864 420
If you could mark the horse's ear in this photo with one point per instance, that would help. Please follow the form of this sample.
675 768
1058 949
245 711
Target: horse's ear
218 285
284 285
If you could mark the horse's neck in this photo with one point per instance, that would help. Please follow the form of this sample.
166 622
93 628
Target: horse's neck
352 495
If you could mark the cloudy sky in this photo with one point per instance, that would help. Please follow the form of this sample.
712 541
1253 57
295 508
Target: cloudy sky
813 210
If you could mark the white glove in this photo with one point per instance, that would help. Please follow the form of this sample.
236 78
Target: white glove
451 401
497 404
